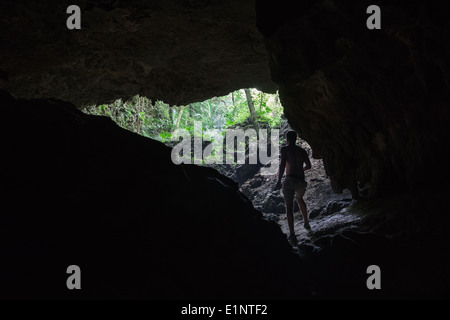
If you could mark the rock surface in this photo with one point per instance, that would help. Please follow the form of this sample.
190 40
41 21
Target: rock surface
319 195
78 189
373 104
176 51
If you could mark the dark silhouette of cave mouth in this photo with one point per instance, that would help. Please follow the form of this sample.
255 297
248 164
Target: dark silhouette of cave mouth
336 219
326 209
86 202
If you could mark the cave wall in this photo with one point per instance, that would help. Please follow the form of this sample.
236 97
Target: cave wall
374 104
76 189
178 51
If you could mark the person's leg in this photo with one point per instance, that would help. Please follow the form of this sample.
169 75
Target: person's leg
303 209
289 203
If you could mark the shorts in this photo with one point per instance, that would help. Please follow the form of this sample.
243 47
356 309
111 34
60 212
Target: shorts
293 185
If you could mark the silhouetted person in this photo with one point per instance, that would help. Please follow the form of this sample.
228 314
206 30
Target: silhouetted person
292 159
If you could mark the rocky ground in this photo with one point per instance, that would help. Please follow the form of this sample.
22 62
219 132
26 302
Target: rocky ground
326 209
347 236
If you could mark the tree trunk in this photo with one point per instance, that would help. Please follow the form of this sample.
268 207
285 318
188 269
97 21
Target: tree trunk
179 116
171 115
251 107
277 99
138 116
188 107
234 106
260 101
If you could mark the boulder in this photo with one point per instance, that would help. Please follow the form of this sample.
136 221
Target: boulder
79 190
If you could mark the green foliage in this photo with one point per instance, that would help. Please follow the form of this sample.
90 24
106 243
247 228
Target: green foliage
158 120
166 135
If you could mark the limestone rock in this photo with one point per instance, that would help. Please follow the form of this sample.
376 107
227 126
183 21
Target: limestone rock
175 51
374 104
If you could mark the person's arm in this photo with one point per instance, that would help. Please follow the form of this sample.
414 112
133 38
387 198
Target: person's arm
307 162
281 168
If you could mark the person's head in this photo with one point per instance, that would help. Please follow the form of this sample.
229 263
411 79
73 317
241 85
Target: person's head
291 137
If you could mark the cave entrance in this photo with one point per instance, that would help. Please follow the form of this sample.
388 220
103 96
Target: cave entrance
240 109
157 120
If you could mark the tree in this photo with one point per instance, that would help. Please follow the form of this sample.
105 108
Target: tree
234 105
251 107
261 95
177 125
277 99
157 120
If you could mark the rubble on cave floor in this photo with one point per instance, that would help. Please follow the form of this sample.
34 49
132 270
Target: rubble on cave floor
327 211
323 229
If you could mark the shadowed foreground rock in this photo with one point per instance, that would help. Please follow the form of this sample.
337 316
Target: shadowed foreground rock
77 189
